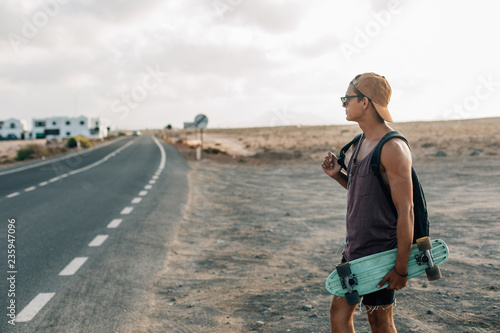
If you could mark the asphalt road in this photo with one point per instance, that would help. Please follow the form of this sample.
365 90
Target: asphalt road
90 232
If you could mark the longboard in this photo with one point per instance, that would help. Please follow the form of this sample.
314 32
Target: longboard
361 276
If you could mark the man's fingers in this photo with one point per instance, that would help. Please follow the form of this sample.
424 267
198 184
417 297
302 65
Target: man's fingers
384 280
327 163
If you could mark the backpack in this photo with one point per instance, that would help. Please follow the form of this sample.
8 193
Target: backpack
421 216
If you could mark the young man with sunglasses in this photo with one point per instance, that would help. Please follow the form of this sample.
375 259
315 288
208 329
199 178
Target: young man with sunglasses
372 226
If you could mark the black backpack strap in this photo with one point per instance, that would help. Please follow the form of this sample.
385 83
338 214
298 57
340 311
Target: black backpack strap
375 161
341 159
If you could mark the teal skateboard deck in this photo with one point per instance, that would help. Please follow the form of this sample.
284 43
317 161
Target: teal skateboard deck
361 276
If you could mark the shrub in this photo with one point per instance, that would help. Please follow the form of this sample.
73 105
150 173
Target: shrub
211 150
30 151
84 142
35 151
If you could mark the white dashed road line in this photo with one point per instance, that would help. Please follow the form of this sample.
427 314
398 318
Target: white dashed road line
152 181
33 307
127 210
143 193
43 183
148 187
73 266
29 189
15 194
98 240
136 200
115 223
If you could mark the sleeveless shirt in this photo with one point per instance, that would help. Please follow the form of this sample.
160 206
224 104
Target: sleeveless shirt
370 220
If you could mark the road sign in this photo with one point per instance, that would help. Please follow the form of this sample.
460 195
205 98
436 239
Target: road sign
200 121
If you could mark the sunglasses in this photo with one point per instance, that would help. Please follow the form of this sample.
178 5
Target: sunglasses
344 99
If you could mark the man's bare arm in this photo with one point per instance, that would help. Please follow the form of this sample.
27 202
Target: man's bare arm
396 166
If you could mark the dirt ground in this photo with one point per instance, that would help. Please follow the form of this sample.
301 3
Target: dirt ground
261 234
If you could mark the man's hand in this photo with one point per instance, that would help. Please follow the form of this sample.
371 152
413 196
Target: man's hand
395 281
333 169
330 165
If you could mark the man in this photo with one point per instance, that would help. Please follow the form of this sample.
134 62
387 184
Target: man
372 226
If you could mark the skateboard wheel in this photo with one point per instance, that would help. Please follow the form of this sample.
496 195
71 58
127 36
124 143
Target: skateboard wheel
433 273
352 298
424 244
343 269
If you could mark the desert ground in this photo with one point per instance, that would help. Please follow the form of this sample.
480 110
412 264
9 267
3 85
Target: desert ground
264 227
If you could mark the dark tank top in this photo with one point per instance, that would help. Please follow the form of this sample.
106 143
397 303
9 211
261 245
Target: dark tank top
370 220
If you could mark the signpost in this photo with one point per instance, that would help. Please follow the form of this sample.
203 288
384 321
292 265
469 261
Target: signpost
200 121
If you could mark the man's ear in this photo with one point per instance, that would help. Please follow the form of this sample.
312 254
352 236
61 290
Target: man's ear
366 102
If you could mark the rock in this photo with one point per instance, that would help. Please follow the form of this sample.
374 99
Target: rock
424 285
260 323
476 153
307 307
440 153
430 312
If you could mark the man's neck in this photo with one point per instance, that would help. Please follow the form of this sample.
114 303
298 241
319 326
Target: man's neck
374 131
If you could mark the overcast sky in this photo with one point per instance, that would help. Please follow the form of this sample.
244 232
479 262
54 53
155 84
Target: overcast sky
149 63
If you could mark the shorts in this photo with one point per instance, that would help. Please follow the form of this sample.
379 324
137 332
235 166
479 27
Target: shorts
377 298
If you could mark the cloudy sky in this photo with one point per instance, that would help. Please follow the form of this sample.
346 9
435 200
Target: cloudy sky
149 63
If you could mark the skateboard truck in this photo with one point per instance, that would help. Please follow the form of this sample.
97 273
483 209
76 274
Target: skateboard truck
425 257
348 280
